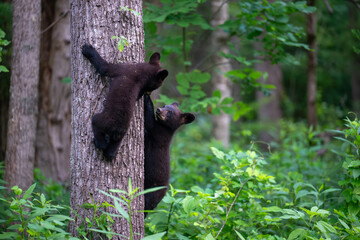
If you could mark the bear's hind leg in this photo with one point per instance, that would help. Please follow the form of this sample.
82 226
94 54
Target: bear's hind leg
101 135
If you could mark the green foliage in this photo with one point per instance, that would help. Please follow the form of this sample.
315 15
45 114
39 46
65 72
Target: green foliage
271 21
102 219
122 42
254 20
3 42
243 200
356 33
351 165
30 215
181 13
235 204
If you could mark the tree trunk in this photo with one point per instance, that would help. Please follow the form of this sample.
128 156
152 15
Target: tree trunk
221 123
355 62
53 132
270 106
269 112
95 22
23 107
312 64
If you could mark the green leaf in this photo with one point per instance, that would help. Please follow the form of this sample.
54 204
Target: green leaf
219 154
239 235
209 237
189 203
255 75
117 191
58 217
66 80
298 233
42 199
344 224
121 210
28 192
216 93
17 190
3 69
354 164
272 209
227 100
182 90
107 232
150 190
9 235
154 236
114 197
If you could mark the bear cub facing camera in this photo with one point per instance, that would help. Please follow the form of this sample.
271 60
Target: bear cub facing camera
129 83
158 134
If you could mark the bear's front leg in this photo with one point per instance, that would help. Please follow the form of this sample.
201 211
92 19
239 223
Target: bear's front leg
102 67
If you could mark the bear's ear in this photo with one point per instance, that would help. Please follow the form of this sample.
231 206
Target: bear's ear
188 118
175 104
162 74
155 59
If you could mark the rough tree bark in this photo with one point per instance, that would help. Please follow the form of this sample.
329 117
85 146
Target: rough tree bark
23 107
221 123
54 124
312 65
95 22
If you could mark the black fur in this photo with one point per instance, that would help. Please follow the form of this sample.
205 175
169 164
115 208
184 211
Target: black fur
158 134
129 83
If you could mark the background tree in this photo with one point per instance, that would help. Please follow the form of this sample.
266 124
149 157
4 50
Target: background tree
53 131
222 122
311 66
355 59
95 24
23 107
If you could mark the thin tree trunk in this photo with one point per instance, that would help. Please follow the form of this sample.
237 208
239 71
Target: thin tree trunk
355 61
312 65
221 123
54 128
95 22
23 107
269 112
270 106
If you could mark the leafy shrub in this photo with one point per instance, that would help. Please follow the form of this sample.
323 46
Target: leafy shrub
351 165
32 216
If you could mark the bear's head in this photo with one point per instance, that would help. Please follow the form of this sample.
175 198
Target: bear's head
171 117
157 74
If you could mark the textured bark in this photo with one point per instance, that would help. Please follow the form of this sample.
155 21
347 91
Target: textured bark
312 65
95 22
221 123
355 62
23 107
54 124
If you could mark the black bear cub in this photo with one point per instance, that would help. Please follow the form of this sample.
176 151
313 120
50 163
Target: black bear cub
129 83
158 134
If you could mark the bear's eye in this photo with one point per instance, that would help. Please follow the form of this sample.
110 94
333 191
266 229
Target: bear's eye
168 114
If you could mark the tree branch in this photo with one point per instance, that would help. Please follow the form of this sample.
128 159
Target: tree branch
328 6
55 22
356 3
232 204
